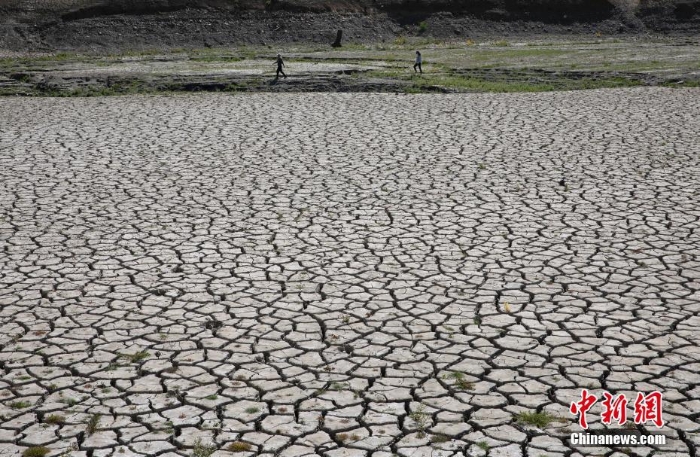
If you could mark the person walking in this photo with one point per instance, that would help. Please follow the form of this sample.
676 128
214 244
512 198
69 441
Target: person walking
419 62
280 64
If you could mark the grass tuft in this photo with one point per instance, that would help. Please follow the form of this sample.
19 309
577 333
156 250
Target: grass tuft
20 405
36 451
539 420
460 382
55 419
135 358
202 450
421 419
93 424
437 439
238 446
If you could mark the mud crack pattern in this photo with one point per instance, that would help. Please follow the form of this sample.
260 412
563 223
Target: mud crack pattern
346 274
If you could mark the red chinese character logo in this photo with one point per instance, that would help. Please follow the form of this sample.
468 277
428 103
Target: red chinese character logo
582 406
648 408
614 408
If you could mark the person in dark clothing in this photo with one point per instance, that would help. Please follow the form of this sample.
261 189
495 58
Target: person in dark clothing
419 62
280 64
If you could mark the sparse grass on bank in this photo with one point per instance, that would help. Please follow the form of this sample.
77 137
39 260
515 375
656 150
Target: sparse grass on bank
430 82
450 66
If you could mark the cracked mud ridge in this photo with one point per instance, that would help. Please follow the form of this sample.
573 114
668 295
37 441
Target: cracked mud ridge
346 274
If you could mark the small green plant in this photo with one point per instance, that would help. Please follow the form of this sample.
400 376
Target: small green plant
238 446
438 439
20 405
211 397
422 27
36 451
202 450
338 386
421 419
93 423
169 427
252 410
539 420
55 419
482 166
135 358
483 445
460 382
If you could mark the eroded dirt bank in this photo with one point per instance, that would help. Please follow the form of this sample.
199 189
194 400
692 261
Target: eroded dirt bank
88 25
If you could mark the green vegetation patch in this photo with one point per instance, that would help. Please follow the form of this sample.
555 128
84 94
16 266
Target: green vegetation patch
481 84
36 451
135 358
93 424
20 405
55 419
202 450
539 420
238 446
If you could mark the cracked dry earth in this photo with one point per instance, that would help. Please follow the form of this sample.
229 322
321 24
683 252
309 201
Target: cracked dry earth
346 274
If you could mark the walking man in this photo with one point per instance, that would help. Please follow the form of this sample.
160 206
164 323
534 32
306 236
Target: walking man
419 62
280 64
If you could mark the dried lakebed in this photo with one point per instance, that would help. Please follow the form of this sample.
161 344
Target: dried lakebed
346 274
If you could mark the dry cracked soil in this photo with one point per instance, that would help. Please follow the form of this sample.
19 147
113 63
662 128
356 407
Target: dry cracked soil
346 274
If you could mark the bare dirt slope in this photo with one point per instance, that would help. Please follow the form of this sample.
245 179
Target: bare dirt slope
124 24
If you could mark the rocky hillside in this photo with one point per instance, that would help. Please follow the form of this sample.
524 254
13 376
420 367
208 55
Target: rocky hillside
94 24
